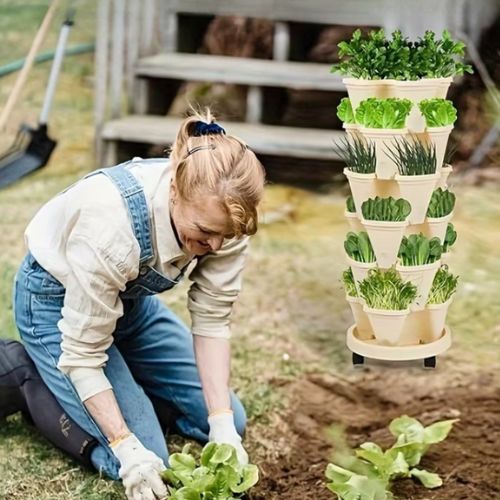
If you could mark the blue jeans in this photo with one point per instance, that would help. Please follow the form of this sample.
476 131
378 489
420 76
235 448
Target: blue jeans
152 353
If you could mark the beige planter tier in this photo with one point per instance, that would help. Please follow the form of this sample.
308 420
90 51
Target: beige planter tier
385 188
360 318
412 329
360 89
445 173
359 270
435 318
353 221
417 189
445 257
383 140
351 129
431 227
385 237
439 137
437 226
371 348
387 325
363 186
422 277
416 91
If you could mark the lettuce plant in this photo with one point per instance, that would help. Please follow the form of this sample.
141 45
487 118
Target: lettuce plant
413 157
442 203
349 203
386 290
349 283
418 250
358 247
374 469
344 111
450 237
443 286
438 112
386 209
383 113
218 477
358 155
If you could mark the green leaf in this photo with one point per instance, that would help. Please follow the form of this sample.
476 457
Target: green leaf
186 494
410 428
207 453
437 432
249 477
182 462
428 479
412 452
224 454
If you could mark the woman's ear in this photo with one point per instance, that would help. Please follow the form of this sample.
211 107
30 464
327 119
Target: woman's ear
173 192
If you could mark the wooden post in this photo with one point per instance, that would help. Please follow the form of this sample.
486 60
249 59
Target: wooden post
117 57
133 23
101 75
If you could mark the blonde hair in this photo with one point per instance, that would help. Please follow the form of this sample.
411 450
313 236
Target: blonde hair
224 167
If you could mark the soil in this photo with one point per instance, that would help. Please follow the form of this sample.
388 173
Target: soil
468 460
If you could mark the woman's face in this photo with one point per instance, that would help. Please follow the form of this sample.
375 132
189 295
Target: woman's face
201 225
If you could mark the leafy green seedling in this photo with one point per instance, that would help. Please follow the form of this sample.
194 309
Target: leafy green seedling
438 112
386 290
450 237
349 283
418 250
441 204
389 113
375 469
443 286
358 154
350 206
359 247
219 476
386 209
412 156
344 111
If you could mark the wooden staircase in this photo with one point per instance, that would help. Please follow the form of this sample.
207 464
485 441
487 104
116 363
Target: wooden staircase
146 49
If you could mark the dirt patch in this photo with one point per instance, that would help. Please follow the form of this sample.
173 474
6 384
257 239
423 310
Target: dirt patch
468 461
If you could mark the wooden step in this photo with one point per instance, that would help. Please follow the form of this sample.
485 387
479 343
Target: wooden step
264 139
240 70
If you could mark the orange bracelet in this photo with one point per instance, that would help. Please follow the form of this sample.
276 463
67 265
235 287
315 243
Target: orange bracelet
119 439
219 412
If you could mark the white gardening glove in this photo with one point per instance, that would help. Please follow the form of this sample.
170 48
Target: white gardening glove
223 431
140 470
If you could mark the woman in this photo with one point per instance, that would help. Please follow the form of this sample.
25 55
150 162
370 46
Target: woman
105 346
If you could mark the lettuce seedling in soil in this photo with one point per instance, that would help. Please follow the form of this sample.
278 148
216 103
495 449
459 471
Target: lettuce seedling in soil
219 476
375 469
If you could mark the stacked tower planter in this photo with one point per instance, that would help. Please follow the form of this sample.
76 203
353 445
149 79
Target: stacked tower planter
404 211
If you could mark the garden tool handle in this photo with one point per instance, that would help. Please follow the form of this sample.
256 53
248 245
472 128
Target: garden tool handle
56 66
28 63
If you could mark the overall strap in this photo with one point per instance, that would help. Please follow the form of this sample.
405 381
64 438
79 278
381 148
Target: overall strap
133 194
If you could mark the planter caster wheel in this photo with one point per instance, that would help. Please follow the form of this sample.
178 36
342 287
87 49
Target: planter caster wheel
357 359
430 363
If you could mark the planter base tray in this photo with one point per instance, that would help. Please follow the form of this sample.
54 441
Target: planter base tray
370 349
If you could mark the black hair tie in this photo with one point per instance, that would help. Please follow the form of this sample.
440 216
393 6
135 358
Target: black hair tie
202 128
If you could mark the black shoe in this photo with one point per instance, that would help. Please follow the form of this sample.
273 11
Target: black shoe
14 365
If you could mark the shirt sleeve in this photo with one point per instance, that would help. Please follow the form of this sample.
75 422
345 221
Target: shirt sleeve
216 285
91 308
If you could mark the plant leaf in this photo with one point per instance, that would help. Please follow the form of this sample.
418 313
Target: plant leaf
410 428
249 477
428 479
437 432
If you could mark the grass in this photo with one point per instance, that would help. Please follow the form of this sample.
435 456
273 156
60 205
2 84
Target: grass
292 315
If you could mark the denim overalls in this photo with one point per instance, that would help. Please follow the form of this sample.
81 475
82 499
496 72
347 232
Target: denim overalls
152 353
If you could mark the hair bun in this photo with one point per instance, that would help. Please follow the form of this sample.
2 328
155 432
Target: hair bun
203 128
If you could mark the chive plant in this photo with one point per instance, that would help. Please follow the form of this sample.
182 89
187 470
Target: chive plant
349 284
386 290
413 157
358 155
443 286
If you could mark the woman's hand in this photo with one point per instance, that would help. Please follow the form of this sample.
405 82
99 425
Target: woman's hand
140 470
223 431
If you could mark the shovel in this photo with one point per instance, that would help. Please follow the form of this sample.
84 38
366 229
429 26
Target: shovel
32 147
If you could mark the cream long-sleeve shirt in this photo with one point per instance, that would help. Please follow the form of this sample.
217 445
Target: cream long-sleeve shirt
84 238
